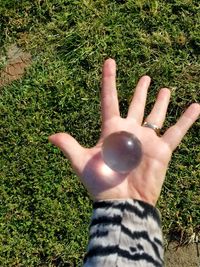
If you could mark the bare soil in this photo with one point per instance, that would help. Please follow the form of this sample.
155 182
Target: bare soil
186 256
17 62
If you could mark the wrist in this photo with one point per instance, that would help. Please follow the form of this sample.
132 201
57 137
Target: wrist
122 195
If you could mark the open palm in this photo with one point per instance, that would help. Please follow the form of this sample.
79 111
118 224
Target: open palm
144 182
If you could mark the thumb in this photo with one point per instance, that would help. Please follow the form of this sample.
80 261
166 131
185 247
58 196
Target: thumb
68 145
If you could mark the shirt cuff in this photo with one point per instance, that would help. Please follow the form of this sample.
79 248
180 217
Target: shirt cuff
124 233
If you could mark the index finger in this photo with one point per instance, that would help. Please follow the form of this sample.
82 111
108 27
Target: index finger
175 134
109 99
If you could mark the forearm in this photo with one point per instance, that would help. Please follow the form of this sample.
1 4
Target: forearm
124 233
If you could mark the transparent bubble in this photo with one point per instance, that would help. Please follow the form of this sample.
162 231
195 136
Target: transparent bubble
122 151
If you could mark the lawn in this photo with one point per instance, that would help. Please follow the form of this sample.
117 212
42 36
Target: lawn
45 211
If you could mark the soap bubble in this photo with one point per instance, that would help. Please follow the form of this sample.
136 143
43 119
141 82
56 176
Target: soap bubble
122 151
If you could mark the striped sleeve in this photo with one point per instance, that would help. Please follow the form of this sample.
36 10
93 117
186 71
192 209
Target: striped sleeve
124 233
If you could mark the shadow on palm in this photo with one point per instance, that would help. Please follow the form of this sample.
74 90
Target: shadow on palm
100 179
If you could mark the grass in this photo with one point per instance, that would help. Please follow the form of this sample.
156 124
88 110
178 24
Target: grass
45 211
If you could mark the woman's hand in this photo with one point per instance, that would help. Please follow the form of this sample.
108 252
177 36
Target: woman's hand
144 182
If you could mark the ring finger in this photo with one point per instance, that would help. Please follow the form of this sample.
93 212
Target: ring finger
158 113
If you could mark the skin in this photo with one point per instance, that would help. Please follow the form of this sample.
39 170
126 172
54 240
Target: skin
144 182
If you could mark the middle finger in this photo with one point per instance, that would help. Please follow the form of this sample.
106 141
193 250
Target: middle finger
136 108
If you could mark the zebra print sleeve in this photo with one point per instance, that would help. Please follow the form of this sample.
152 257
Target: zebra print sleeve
124 233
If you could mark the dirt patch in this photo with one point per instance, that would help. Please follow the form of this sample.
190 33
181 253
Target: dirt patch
17 62
187 256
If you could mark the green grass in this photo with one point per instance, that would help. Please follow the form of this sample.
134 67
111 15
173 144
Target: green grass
45 211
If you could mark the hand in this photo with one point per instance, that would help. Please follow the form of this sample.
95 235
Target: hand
144 182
